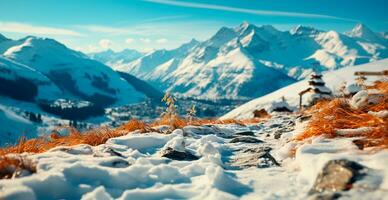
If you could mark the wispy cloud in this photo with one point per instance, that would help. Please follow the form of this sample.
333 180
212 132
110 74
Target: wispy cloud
16 27
157 29
244 10
162 41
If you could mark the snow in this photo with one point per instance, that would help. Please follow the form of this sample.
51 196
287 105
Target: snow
333 80
352 88
361 130
359 100
278 105
111 58
136 170
364 98
381 114
13 127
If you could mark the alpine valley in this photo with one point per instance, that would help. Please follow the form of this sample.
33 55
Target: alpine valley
44 84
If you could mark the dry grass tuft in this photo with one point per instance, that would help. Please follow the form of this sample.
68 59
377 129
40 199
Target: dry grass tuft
178 122
330 116
134 125
14 166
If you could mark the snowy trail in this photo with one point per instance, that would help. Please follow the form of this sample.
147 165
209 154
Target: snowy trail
205 162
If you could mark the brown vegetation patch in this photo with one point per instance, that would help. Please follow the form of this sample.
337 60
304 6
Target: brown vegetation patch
330 116
15 166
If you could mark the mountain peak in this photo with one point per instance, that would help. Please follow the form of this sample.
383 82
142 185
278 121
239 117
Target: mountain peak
222 36
243 27
303 30
3 38
194 41
362 31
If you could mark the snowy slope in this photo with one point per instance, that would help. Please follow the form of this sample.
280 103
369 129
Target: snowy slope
12 127
73 72
333 80
113 59
152 65
21 79
235 60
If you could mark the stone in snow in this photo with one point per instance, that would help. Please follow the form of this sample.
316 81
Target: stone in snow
255 157
177 155
337 176
246 139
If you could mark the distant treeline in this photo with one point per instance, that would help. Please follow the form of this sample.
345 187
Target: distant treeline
20 89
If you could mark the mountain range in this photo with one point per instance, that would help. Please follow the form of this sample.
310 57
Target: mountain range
42 69
248 61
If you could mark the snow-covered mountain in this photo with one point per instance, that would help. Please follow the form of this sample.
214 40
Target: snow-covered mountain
333 79
21 82
112 58
242 61
75 74
13 126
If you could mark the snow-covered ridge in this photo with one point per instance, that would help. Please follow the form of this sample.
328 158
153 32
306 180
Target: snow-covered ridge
75 74
239 58
112 58
333 79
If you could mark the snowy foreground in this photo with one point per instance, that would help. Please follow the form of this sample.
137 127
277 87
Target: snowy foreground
206 162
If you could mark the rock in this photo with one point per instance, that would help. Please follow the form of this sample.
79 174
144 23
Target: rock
303 118
113 152
275 125
260 113
256 150
277 135
162 129
337 175
177 155
255 157
201 130
115 163
82 149
246 133
246 139
325 196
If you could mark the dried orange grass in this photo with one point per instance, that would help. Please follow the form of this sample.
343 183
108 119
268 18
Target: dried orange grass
177 122
42 144
329 116
92 137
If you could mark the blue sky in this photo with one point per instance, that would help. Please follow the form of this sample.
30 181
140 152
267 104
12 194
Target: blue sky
95 25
